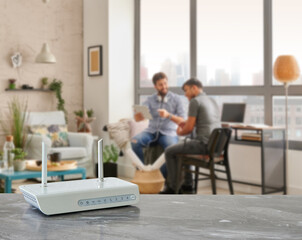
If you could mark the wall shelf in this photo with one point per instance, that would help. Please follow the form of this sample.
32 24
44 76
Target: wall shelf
28 90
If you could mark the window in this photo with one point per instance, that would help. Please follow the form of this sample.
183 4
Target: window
230 42
230 45
254 112
287 32
164 40
294 117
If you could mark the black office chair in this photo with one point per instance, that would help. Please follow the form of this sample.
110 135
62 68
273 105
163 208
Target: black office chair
217 154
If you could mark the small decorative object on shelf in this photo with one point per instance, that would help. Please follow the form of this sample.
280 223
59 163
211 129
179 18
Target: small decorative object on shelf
26 86
44 82
12 83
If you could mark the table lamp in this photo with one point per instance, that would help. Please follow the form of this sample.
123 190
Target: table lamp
286 70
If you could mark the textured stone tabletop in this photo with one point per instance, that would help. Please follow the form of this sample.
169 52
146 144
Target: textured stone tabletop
160 217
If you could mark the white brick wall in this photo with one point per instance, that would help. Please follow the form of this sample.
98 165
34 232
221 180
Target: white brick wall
24 26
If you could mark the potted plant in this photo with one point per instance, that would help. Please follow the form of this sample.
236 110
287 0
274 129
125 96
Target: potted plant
12 83
79 113
110 157
90 113
44 82
19 162
84 118
16 124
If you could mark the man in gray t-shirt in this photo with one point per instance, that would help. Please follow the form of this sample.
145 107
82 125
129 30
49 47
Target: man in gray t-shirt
204 116
207 115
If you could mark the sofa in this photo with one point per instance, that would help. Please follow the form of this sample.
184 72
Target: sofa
76 146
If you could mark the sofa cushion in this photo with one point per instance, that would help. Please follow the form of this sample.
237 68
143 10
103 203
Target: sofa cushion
70 152
58 134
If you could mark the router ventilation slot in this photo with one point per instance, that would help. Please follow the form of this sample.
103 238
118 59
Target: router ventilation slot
31 199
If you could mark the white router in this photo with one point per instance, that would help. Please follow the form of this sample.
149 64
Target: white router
79 195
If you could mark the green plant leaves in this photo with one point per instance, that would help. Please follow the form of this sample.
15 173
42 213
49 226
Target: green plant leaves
16 126
56 86
19 153
110 153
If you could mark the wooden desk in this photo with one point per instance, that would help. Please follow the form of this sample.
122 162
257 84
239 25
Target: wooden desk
273 164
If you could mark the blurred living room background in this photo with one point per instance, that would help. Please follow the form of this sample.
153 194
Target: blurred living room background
230 45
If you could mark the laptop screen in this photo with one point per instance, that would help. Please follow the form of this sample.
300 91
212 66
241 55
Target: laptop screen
233 112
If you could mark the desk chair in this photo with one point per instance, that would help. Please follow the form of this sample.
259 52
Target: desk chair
217 154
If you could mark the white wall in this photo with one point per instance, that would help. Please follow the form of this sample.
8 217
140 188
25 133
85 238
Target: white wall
121 59
110 23
96 92
25 25
294 169
121 68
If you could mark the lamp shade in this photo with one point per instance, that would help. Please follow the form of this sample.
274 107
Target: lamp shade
286 69
45 56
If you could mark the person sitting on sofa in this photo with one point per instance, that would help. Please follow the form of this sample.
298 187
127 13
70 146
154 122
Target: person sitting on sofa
167 112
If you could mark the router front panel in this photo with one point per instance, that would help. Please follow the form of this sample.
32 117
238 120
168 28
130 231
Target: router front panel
72 202
54 200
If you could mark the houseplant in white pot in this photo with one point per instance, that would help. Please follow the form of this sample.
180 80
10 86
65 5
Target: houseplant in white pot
19 162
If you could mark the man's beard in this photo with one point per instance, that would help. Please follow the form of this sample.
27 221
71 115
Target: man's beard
162 93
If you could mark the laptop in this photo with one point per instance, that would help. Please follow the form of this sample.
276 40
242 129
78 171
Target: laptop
233 113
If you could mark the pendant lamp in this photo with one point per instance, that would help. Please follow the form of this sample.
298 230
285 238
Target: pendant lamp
45 56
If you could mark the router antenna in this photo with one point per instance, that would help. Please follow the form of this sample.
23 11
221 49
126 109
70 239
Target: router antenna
100 160
44 166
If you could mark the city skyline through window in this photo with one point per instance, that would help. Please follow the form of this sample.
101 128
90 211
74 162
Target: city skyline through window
230 42
287 33
165 40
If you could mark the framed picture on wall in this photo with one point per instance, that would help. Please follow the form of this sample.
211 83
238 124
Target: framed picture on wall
95 61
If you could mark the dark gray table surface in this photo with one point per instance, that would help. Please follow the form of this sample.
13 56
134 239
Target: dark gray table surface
161 217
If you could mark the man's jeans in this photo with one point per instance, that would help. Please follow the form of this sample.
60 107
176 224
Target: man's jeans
144 139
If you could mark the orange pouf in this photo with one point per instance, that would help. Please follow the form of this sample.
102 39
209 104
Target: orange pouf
150 182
